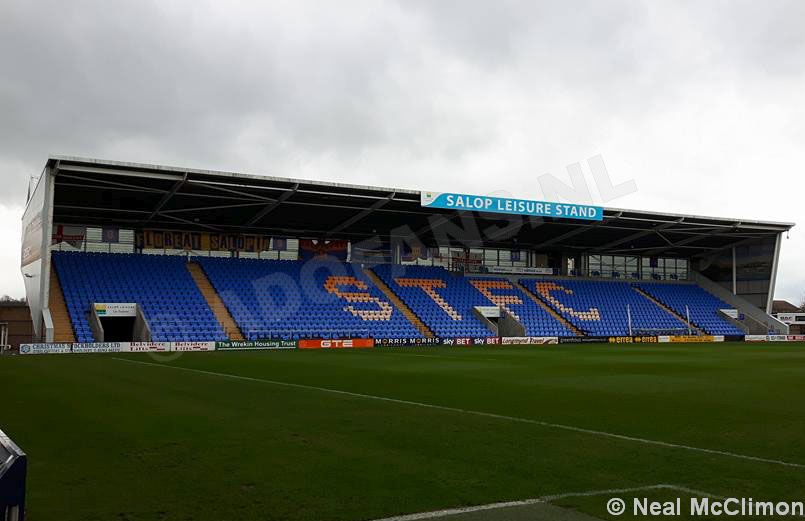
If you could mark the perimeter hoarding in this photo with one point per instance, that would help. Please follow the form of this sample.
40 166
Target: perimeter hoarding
774 338
337 344
254 345
506 205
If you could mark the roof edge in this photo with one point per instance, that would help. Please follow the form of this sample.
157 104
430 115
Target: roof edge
52 159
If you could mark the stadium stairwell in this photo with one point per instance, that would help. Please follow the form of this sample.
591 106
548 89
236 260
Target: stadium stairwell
214 302
399 304
694 329
576 331
62 325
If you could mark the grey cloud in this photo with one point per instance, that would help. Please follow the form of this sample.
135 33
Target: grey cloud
476 95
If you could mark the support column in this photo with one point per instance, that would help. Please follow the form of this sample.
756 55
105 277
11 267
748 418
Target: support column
734 273
773 279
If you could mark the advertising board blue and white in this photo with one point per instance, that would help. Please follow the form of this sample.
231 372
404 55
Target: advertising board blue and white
45 349
506 205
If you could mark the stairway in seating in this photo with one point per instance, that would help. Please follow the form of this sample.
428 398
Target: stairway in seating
62 326
576 331
214 302
684 320
399 304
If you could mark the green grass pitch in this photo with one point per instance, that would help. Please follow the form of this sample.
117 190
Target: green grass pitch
218 436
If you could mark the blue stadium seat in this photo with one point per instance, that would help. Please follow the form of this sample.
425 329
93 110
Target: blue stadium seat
161 285
602 307
294 299
445 302
703 306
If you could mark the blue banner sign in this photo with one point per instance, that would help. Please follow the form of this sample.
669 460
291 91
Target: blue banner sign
481 203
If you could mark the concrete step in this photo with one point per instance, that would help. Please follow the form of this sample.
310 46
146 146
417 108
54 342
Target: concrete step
62 325
215 302
399 304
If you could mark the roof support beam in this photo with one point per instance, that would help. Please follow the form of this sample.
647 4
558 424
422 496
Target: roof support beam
574 232
692 239
362 214
217 187
273 205
208 208
97 209
186 221
638 235
167 197
101 183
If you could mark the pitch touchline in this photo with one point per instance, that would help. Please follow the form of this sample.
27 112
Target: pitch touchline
517 419
544 499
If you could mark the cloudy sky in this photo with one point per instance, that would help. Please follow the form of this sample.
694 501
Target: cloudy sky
700 103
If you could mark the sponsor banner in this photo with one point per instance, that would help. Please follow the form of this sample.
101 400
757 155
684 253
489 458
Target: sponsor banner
149 347
583 340
514 270
774 338
72 235
488 311
32 240
457 341
102 347
791 318
32 225
193 346
311 249
337 344
279 244
116 347
718 338
506 205
413 252
632 339
115 309
733 313
44 349
110 234
682 339
756 338
246 345
200 241
529 340
394 342
486 341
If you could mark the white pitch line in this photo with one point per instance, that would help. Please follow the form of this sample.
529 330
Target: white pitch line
461 510
592 432
544 499
691 491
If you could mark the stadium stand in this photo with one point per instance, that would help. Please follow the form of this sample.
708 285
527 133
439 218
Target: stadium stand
331 299
703 306
444 302
536 320
294 299
161 285
602 308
